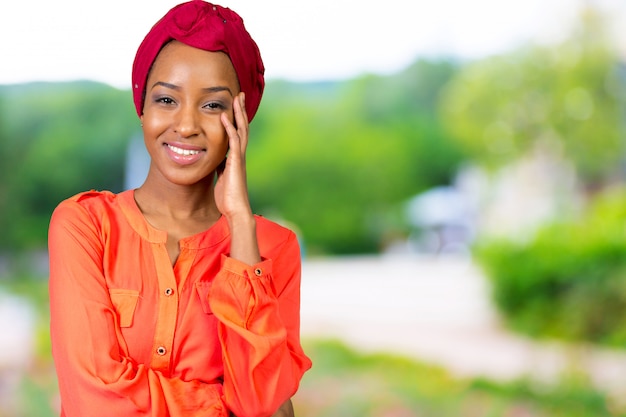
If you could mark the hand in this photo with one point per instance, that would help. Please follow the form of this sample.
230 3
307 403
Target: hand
231 189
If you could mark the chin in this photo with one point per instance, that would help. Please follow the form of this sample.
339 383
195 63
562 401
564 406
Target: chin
189 180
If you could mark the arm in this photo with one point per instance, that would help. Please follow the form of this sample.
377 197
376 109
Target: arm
258 308
231 188
257 302
96 377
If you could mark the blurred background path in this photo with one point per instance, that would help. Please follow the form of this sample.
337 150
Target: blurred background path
436 310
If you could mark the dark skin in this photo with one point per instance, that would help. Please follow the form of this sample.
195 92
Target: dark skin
193 114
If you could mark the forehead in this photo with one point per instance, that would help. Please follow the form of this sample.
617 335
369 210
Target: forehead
180 63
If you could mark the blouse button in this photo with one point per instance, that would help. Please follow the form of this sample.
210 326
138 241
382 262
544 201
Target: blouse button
161 351
258 272
169 291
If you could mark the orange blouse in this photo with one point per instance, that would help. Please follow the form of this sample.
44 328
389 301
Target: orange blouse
134 336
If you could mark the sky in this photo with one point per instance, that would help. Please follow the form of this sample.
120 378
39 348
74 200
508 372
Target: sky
64 40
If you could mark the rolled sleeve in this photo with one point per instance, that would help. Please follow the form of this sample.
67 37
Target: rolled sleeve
257 307
262 269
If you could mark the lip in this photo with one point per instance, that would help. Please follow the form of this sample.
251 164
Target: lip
196 153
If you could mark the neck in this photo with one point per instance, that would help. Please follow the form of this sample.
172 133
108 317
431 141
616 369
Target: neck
179 202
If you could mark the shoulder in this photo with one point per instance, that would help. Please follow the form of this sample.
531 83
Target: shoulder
86 204
93 197
90 198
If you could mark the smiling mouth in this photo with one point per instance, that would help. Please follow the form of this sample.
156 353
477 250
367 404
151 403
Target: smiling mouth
182 152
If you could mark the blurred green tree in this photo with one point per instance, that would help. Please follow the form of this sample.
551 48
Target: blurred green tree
569 95
567 280
59 139
336 158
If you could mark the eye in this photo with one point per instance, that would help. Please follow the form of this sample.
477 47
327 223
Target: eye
214 105
164 100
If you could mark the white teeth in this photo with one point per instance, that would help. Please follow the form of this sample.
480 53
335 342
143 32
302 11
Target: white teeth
184 152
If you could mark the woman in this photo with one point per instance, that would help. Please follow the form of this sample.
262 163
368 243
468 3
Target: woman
174 299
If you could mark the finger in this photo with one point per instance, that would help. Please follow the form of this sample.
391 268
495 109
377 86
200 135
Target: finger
242 120
231 132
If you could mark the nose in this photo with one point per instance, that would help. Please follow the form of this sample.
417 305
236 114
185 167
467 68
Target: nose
186 124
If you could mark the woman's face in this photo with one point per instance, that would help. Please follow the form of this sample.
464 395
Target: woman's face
186 91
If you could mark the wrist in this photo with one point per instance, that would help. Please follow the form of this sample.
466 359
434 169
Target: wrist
242 221
244 245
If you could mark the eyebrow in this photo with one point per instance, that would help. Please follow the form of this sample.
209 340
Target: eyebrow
215 89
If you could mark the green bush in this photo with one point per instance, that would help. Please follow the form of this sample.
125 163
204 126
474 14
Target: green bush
569 282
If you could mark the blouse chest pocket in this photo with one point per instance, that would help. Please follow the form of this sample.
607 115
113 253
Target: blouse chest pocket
124 302
202 289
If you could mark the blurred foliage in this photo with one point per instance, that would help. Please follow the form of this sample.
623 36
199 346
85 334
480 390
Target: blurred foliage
335 158
57 140
344 382
330 158
569 282
571 94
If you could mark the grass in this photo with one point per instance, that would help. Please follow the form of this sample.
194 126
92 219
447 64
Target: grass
347 383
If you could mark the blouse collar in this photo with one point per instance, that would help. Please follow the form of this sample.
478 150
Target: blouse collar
215 234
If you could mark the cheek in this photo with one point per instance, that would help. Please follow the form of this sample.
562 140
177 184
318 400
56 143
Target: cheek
221 142
215 130
152 126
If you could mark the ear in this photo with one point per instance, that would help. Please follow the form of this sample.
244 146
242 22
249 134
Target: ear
141 118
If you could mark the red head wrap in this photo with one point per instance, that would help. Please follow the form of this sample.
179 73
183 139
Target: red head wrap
209 27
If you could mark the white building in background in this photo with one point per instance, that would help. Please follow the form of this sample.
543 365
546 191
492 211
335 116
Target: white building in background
510 203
